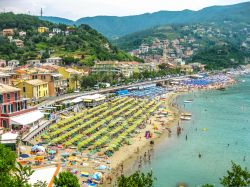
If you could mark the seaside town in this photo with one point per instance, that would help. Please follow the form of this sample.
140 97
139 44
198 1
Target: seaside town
75 108
178 49
88 135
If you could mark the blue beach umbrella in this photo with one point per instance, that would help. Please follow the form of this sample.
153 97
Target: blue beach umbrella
65 154
34 147
52 152
91 185
24 156
102 167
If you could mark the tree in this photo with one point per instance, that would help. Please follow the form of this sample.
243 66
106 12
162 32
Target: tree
137 179
76 79
66 179
237 177
12 173
22 174
7 164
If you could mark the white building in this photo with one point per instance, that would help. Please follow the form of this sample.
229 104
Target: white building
54 60
56 30
22 33
14 63
33 62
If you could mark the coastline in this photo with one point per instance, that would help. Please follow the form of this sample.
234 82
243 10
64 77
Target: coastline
128 162
128 155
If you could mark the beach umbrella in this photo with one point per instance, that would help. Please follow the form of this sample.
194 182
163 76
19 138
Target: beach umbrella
24 156
41 148
102 167
84 174
22 149
72 158
65 154
91 185
95 177
34 148
52 152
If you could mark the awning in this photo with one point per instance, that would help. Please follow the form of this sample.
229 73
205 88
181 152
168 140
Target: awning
76 100
9 138
88 100
27 118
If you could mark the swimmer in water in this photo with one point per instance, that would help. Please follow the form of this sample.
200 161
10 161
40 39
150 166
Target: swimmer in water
199 155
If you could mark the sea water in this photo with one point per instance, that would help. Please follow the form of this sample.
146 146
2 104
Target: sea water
219 131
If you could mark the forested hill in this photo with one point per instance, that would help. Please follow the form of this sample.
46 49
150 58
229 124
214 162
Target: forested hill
112 26
82 41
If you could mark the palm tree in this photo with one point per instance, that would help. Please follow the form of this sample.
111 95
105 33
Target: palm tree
76 78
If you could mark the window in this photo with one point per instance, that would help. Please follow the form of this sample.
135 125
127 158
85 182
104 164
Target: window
8 96
4 109
4 124
34 76
9 109
43 77
25 105
1 98
17 107
16 96
12 107
24 89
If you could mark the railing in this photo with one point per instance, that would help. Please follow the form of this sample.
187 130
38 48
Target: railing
32 134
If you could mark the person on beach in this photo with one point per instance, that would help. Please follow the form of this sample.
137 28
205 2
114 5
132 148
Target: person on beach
244 159
199 155
186 137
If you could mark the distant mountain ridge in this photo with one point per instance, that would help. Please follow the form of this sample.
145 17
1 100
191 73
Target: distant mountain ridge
113 26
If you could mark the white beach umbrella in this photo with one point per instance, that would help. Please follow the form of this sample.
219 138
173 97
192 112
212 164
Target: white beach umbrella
41 148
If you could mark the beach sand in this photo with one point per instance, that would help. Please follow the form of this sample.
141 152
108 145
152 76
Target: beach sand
127 156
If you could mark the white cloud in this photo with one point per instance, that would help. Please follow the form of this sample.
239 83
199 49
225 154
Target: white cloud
75 9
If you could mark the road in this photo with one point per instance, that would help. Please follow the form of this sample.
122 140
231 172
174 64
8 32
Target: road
53 100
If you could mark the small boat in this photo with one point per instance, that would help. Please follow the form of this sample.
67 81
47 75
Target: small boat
186 114
185 118
243 81
188 101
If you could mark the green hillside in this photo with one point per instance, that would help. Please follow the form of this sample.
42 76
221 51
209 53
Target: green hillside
112 26
82 41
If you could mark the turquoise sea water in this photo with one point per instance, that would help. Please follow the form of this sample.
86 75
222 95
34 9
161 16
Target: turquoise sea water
226 115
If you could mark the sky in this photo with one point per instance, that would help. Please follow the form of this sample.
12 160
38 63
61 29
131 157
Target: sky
75 9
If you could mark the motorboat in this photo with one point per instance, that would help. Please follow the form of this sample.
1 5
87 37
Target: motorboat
185 118
188 101
186 114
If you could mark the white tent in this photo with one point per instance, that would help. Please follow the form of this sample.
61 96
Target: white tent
42 174
27 118
9 138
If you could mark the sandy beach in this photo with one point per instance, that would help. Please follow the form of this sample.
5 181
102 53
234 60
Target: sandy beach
122 161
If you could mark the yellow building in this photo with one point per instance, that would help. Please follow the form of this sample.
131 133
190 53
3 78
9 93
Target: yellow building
42 29
34 89
72 76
